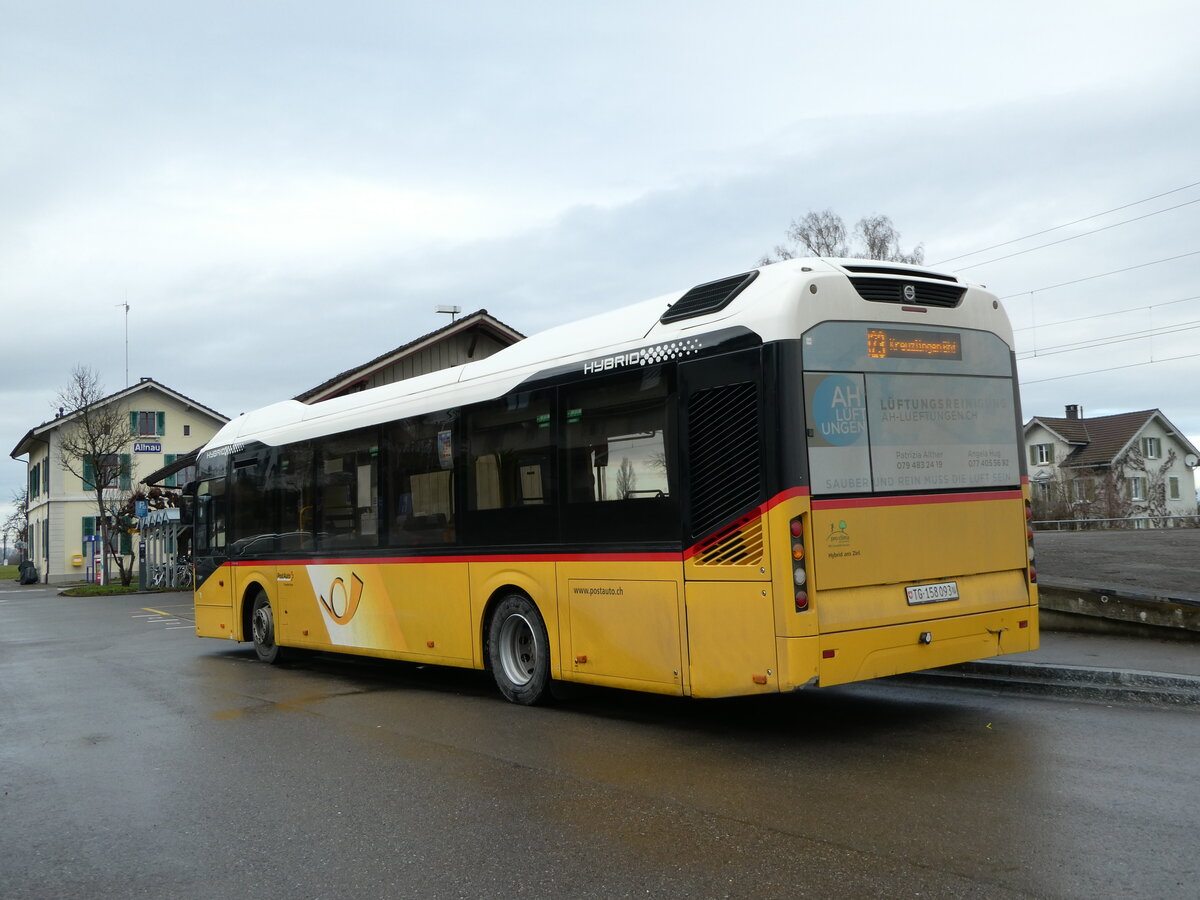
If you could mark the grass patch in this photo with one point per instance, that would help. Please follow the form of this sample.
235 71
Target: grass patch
99 590
104 590
8 573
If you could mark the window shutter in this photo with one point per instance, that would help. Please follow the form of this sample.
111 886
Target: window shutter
126 480
169 458
133 423
89 475
1033 455
161 421
126 544
89 526
1049 453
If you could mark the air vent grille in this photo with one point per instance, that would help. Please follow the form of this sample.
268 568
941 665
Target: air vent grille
708 298
739 545
914 293
724 454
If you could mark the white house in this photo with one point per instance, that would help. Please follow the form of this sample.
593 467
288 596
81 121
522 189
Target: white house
1129 465
163 424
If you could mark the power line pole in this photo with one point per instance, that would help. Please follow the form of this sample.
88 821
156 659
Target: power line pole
126 305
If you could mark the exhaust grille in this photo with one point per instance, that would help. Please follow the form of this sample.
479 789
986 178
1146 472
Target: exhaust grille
914 293
708 298
724 454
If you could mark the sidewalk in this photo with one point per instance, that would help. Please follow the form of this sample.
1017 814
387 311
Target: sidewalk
1100 651
1097 668
1139 567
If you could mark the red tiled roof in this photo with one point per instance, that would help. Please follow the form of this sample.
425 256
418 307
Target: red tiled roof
1099 439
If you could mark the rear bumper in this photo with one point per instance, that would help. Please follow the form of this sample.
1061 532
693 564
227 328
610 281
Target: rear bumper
857 655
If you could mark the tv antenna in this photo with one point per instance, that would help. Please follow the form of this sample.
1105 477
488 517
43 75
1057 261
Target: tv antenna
451 311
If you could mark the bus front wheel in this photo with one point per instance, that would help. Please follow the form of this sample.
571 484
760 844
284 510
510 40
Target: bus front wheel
262 630
519 651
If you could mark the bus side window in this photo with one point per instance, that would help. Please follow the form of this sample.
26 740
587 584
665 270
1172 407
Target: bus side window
290 493
618 454
420 481
616 439
210 515
251 525
347 470
512 452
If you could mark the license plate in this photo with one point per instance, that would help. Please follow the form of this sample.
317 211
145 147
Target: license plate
932 593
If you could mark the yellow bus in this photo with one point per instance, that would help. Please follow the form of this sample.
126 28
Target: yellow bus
805 474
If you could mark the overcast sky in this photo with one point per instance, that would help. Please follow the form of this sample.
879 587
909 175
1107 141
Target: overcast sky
282 190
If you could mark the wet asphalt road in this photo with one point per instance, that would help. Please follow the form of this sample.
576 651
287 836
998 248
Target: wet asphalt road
139 761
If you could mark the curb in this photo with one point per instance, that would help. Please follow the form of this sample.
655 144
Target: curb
1075 682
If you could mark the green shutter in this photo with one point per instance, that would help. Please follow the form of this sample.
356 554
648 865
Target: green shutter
89 475
169 458
126 544
133 423
126 481
161 421
89 526
1050 453
46 477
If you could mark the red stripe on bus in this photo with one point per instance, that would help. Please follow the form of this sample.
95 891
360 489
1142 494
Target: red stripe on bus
789 494
759 512
915 500
499 558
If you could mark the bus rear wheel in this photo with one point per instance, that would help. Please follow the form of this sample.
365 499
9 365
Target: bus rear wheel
519 651
262 630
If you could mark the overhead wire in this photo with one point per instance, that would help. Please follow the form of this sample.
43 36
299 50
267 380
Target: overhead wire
1097 342
1101 275
1148 362
1118 312
1075 237
1069 224
1093 343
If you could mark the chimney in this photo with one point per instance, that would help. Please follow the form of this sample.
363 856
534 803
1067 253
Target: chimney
1074 411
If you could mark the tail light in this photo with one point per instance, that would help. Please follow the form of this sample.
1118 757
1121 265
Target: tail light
1029 542
799 571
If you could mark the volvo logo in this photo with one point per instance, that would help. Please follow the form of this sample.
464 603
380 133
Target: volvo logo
910 292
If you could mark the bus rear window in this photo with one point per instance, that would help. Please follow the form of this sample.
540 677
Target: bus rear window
888 431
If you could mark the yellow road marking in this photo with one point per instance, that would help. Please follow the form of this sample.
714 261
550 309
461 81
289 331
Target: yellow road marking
155 611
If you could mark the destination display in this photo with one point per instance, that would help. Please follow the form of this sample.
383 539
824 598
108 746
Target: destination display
888 343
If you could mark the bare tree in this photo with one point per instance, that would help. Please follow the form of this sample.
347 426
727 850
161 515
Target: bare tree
90 448
626 479
17 523
881 240
1051 498
1154 503
824 233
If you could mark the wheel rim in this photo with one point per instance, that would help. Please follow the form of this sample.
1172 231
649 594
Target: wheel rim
263 626
518 650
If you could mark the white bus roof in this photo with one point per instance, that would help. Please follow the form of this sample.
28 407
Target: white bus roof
769 307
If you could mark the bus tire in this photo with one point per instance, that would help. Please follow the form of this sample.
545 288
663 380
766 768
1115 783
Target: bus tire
518 651
262 630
